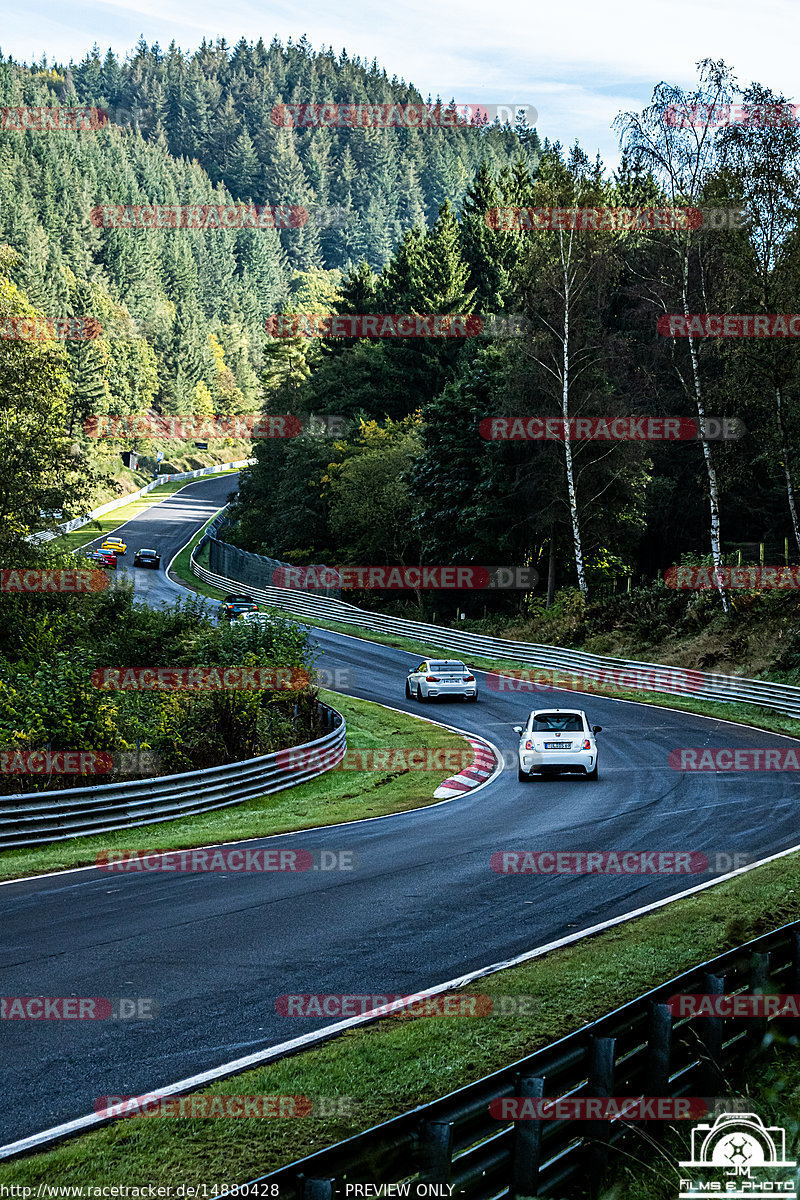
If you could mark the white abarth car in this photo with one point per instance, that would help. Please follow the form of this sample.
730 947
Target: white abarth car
441 677
556 741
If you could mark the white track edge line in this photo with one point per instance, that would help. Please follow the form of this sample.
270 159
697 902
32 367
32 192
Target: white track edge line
238 1065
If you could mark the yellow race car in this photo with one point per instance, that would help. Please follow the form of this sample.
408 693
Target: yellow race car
115 545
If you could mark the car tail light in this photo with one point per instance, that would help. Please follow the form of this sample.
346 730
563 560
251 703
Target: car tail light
469 679
432 679
587 745
529 744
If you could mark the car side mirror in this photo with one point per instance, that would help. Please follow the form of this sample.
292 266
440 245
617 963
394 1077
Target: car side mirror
597 729
518 729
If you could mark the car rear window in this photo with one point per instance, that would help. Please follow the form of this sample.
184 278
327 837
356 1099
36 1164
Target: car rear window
447 666
558 722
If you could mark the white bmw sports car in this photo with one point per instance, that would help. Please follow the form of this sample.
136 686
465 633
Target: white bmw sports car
441 677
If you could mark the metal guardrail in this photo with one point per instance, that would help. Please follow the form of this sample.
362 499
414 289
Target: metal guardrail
639 1049
38 817
247 568
610 672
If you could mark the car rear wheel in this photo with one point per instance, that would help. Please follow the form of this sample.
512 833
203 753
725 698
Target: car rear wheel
420 696
408 690
473 699
593 774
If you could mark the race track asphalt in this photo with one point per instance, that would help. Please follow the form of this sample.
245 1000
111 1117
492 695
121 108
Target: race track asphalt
215 950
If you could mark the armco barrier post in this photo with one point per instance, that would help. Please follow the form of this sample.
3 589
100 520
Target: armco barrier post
436 1152
710 1034
601 1084
759 978
659 1049
526 1152
794 984
318 1189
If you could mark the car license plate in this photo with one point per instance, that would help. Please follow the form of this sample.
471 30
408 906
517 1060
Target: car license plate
558 745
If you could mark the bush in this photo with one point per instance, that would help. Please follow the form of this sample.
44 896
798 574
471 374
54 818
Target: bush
47 698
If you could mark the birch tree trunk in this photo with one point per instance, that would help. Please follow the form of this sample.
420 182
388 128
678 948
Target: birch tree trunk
713 489
571 491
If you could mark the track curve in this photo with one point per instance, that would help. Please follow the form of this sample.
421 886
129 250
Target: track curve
424 905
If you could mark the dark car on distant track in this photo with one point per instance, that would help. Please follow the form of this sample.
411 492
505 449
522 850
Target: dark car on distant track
147 558
235 604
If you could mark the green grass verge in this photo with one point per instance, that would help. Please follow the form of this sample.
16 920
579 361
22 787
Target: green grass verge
118 516
181 567
333 797
747 714
398 1063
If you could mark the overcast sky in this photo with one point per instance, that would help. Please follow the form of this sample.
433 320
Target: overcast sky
577 62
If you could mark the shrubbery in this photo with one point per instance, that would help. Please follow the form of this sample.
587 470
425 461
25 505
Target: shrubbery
51 643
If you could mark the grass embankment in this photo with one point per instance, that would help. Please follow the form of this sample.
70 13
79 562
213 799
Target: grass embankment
397 1063
333 797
